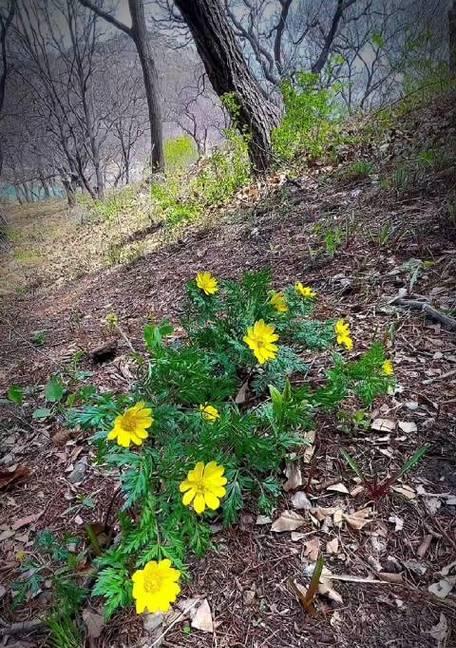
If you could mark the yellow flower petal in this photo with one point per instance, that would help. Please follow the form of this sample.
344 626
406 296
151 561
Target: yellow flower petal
212 501
188 497
198 503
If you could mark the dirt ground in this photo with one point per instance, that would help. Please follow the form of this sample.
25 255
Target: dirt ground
393 241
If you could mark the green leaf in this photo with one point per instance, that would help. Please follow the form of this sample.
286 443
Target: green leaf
153 335
41 413
15 394
54 390
378 40
413 461
352 463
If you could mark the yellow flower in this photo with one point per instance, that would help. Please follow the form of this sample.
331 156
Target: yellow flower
279 302
260 338
207 282
304 291
111 320
204 486
388 368
132 425
155 587
343 334
209 413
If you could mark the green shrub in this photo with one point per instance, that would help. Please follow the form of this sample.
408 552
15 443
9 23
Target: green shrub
358 170
183 196
212 401
115 203
308 122
180 152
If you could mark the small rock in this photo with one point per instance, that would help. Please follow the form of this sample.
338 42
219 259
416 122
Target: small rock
415 567
300 501
77 474
152 621
249 596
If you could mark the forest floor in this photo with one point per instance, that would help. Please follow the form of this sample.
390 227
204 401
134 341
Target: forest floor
360 242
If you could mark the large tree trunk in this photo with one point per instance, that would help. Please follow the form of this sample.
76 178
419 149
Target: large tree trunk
228 72
452 39
149 70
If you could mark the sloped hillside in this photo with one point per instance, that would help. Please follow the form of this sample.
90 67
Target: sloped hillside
376 236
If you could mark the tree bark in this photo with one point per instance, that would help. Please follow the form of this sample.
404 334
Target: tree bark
138 32
452 39
228 72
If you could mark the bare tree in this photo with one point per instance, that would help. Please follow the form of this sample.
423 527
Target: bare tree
138 32
452 39
58 78
5 23
199 113
228 72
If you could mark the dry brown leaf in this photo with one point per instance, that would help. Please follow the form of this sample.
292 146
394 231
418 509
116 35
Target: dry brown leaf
383 425
424 546
294 476
241 396
397 521
325 589
406 491
7 477
202 619
358 519
312 549
288 521
443 587
322 512
409 427
94 622
338 517
356 490
262 520
338 488
441 631
310 449
332 546
29 519
300 501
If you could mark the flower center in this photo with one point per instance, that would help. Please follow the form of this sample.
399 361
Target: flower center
198 485
152 584
260 343
129 422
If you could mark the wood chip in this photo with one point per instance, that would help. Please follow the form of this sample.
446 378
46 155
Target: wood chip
288 521
338 488
383 425
203 618
332 546
358 519
29 519
294 476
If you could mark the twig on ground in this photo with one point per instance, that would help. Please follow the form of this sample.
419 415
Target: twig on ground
159 639
446 320
448 374
22 627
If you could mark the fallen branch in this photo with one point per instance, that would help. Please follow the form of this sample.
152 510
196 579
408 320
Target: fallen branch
445 320
23 627
448 374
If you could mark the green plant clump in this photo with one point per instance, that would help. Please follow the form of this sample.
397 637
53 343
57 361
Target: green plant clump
184 195
309 121
212 401
180 152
